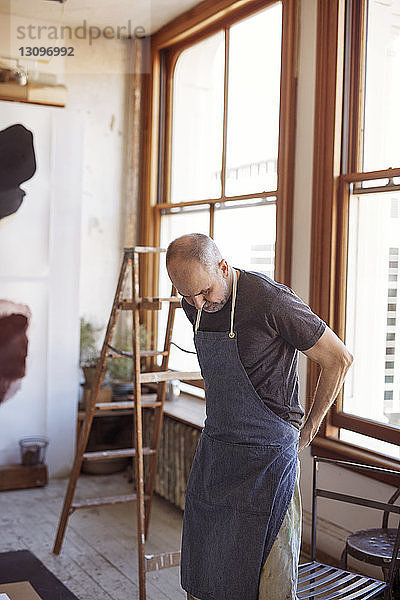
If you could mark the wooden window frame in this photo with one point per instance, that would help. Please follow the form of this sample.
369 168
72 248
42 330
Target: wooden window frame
166 44
337 166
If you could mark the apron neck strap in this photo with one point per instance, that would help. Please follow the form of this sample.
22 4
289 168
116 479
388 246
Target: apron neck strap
198 319
234 291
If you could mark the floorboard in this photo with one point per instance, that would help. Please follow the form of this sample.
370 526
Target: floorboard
98 560
99 557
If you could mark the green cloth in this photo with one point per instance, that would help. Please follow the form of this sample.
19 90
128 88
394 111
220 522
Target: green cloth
278 580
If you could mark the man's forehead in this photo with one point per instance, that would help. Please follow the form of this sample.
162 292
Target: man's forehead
189 278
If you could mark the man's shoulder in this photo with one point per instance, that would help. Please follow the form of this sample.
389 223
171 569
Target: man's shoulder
266 288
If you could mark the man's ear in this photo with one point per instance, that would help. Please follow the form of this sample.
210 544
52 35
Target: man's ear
224 267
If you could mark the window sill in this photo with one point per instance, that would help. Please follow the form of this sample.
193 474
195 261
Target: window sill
187 409
339 450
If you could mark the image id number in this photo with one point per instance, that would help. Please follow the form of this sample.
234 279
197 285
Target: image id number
43 51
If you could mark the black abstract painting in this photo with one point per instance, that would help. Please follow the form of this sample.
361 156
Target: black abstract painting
17 164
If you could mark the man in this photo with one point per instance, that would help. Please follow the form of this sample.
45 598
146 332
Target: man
242 520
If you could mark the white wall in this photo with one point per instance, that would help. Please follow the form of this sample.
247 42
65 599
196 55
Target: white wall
96 81
337 519
82 220
97 91
40 247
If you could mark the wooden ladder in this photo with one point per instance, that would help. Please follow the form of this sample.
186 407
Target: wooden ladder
144 490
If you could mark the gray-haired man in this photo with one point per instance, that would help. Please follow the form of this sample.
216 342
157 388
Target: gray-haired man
242 520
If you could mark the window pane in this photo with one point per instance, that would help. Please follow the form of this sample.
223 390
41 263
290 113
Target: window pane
197 125
382 86
253 102
369 443
172 226
246 234
372 388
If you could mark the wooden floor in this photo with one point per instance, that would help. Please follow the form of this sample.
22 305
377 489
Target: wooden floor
98 560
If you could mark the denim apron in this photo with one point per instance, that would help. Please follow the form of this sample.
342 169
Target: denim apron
241 480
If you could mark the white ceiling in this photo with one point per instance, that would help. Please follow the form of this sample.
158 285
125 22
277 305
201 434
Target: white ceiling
150 14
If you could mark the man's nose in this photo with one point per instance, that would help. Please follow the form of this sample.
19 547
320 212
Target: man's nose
199 301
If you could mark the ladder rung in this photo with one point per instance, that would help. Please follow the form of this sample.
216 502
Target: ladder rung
104 501
125 305
148 303
157 376
143 249
121 453
155 562
171 299
125 405
113 354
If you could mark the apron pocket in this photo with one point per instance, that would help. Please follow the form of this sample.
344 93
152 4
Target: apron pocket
238 476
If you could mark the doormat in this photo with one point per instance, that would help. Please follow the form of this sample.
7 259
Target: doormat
23 567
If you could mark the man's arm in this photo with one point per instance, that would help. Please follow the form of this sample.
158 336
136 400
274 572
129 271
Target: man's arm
335 360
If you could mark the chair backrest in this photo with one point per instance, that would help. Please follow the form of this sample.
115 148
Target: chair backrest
386 513
387 507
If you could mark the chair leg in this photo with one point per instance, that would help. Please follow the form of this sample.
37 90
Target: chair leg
343 558
388 594
395 589
396 585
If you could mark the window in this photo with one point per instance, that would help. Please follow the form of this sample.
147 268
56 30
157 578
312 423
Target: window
372 324
225 128
356 277
197 121
380 146
224 138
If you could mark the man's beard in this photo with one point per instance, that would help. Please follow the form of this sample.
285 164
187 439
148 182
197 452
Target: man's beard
216 306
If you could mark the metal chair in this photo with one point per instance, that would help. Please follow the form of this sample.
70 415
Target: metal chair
319 581
375 546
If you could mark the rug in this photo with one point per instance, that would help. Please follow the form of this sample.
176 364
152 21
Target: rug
22 566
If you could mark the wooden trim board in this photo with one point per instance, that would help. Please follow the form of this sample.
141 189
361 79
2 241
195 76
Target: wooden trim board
22 566
21 590
18 477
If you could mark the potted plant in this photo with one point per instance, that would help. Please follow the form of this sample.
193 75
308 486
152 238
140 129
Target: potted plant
89 356
120 368
89 352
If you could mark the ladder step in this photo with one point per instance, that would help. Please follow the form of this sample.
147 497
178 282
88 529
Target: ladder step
104 501
157 376
113 354
143 250
125 405
171 299
155 562
121 453
148 303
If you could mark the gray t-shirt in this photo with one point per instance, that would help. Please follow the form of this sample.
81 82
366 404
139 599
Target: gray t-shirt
272 324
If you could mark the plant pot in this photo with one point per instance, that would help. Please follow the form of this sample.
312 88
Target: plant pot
105 395
106 466
122 388
89 374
